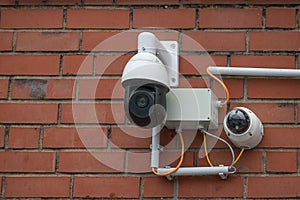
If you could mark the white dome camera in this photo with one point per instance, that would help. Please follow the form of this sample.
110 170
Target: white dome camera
243 128
147 77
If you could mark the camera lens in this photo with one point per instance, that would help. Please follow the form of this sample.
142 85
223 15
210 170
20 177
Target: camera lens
238 121
142 101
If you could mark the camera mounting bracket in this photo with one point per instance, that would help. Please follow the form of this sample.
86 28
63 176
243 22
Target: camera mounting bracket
166 51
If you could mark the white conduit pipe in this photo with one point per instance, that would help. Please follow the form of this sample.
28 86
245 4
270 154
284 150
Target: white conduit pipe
155 147
241 71
197 171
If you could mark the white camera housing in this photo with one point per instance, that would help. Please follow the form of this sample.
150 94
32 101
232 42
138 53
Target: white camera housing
147 78
243 128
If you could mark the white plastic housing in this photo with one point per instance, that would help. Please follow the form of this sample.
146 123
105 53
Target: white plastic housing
146 68
192 109
251 137
156 61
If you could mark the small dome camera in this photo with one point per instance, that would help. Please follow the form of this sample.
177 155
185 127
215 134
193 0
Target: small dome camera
243 128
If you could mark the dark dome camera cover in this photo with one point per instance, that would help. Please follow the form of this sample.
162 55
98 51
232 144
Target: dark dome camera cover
238 121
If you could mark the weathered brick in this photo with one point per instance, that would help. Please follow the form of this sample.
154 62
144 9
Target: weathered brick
77 64
282 161
6 39
29 65
47 41
197 64
111 64
273 137
3 88
278 61
275 2
164 18
23 138
102 113
43 88
71 137
285 41
273 88
100 89
222 2
234 85
33 113
273 187
91 162
2 135
158 187
280 18
230 18
213 41
106 187
97 2
43 2
31 18
37 186
7 2
210 186
27 161
98 18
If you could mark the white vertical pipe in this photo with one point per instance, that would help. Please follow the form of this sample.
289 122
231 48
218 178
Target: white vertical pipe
155 147
241 71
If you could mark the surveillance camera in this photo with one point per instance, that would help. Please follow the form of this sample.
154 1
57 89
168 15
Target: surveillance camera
243 128
146 79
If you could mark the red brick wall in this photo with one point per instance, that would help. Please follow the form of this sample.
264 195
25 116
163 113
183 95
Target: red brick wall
57 127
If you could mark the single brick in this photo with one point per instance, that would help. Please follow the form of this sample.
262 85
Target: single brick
43 2
157 187
273 88
7 2
100 89
230 18
33 113
280 18
274 187
213 41
285 41
210 186
32 18
3 88
146 2
23 138
2 137
91 162
197 64
98 18
37 186
278 2
27 161
222 2
47 41
282 161
111 64
29 65
71 137
164 18
6 39
77 64
273 137
130 137
278 61
102 113
106 187
97 2
43 88
271 112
